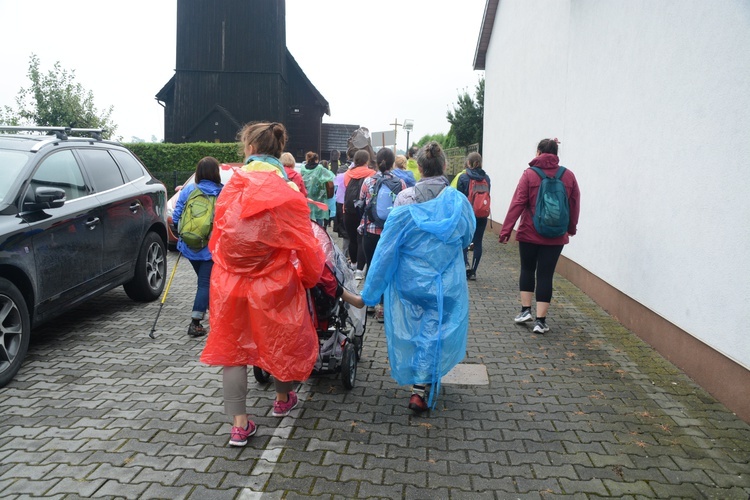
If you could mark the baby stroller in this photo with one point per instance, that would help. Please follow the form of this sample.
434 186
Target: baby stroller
339 325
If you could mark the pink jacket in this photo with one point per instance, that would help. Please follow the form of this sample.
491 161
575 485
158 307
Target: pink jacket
524 202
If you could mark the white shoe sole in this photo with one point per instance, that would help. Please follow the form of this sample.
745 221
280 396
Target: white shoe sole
524 320
538 329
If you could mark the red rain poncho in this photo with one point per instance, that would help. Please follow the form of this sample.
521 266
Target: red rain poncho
259 313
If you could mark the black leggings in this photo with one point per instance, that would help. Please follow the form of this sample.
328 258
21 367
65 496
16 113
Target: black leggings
477 240
356 250
539 260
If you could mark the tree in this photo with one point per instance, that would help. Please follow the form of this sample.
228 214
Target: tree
445 140
56 99
467 117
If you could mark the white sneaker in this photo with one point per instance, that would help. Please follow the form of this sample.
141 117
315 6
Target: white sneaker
358 275
540 327
523 316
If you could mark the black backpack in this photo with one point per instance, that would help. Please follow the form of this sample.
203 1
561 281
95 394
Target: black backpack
352 203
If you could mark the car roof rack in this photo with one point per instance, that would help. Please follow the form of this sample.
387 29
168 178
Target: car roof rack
61 133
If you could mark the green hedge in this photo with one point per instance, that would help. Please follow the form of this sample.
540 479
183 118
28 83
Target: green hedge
172 164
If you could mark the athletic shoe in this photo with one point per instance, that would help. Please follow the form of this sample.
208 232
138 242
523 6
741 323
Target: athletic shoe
540 327
281 408
196 330
471 275
239 435
358 275
417 403
523 316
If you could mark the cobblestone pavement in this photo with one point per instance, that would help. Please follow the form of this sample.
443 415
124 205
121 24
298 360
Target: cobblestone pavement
587 410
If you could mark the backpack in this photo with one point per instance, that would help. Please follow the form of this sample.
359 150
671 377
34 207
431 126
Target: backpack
352 203
552 211
197 220
479 197
382 199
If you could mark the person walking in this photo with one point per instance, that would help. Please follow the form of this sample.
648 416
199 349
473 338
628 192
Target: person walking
539 254
319 184
266 257
287 160
207 182
400 171
472 184
411 163
372 225
353 210
419 267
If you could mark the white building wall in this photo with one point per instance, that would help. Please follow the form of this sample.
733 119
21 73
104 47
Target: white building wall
651 103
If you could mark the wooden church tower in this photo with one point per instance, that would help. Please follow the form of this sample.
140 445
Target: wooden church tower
232 68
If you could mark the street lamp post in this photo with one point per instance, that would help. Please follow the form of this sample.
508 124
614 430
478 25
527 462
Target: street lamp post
408 126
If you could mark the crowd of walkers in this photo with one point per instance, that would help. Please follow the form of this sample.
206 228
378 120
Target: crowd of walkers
407 233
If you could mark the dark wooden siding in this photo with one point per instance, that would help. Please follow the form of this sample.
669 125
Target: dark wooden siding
231 35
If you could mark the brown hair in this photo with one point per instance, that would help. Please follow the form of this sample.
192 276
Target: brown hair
361 157
208 168
311 156
548 146
432 159
267 138
474 160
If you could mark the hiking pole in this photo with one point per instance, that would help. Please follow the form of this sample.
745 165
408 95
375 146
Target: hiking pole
164 297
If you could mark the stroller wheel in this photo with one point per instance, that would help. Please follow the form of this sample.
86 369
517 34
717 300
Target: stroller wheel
358 344
349 366
261 375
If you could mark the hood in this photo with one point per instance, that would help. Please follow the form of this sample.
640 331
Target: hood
476 173
444 217
266 190
209 188
546 161
311 165
358 173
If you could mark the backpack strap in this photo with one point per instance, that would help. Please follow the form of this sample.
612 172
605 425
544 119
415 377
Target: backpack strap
560 172
538 171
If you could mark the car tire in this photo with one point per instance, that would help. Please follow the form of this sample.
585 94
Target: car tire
150 270
15 331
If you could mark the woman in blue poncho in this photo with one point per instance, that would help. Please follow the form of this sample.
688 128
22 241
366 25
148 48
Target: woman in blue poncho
418 265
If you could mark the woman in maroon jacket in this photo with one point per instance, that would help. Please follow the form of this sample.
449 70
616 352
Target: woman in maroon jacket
539 254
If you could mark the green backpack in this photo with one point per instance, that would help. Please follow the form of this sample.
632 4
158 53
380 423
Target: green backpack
197 220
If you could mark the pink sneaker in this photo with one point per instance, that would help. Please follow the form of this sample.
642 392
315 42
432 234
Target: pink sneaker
281 408
239 435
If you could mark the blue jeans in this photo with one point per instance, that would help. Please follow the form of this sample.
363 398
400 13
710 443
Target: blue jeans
203 270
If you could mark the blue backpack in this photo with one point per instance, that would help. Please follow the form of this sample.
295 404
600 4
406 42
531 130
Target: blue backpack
552 212
382 199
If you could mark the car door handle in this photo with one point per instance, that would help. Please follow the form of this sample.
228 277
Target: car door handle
135 206
92 223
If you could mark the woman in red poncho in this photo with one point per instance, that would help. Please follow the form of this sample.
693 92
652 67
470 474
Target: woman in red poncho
265 256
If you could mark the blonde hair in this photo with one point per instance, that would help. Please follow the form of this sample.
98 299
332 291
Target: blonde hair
287 159
401 162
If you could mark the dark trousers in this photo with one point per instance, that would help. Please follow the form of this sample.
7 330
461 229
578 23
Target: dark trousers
478 236
356 249
538 261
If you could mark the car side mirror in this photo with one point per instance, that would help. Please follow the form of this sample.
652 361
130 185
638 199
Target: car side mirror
46 197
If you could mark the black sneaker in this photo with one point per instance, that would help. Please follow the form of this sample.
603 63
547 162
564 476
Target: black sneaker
471 275
540 327
196 330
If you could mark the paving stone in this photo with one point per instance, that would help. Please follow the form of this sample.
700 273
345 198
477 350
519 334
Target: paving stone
587 411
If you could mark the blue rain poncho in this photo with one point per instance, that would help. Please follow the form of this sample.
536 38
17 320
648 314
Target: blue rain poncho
418 265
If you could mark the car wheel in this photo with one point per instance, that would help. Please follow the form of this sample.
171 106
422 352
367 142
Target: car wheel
150 270
15 331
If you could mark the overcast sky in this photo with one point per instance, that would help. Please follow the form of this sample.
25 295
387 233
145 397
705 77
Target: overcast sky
416 56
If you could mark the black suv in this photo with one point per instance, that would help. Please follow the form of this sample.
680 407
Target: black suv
78 216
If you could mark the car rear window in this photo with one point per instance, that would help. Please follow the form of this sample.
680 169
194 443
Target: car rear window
104 172
132 167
